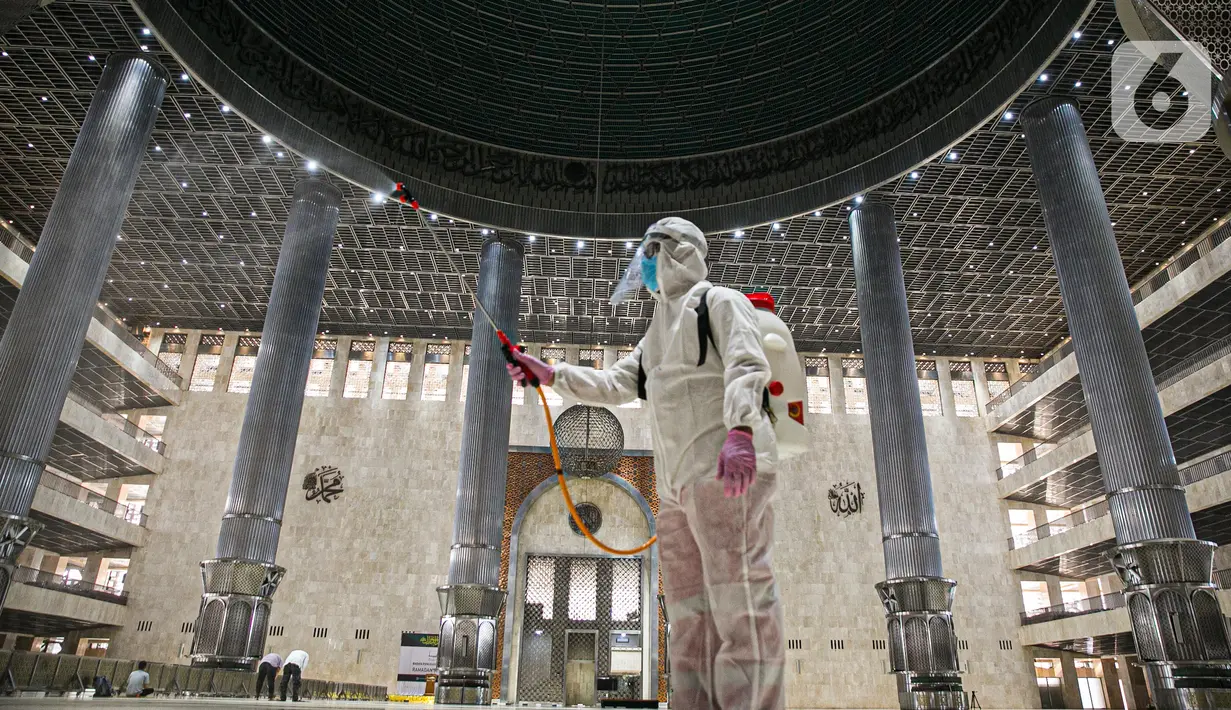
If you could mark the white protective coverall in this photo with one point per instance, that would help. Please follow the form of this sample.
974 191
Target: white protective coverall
726 642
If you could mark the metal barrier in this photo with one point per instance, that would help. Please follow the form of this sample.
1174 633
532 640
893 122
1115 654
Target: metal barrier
93 499
1222 578
1178 264
60 583
142 436
1089 605
64 673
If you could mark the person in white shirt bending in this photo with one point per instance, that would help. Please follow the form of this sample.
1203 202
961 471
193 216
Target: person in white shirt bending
296 663
268 669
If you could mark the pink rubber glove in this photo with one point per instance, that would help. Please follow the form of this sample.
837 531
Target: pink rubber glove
737 464
545 373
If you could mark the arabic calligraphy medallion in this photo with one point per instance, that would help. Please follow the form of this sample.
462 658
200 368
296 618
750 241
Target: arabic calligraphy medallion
323 485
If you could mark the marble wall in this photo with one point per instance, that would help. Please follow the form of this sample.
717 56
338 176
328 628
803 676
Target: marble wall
371 559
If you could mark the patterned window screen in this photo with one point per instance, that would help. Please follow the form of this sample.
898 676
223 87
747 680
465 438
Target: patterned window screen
171 351
436 372
320 370
551 356
929 388
855 385
397 371
244 365
359 369
997 378
636 403
1029 370
466 372
816 373
583 589
205 369
965 403
591 357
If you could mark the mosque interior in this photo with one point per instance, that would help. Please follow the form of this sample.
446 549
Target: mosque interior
996 233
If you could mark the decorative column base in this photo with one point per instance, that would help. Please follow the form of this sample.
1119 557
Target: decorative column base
467 654
922 645
1177 623
234 616
15 534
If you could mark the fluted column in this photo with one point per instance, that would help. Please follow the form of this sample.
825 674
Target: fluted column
1166 571
240 581
917 599
43 340
471 601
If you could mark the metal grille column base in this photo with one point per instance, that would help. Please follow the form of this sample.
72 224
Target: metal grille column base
467 654
922 645
234 615
15 534
1177 622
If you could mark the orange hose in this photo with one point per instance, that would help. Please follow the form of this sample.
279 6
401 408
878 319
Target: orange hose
568 500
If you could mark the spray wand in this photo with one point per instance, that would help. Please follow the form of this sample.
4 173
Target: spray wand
507 348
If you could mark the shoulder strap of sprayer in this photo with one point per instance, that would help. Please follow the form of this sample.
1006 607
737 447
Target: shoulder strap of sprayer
704 337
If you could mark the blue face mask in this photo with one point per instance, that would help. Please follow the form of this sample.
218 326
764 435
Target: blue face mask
649 273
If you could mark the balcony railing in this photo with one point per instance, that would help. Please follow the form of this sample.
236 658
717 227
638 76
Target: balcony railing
125 425
1144 289
1059 525
1031 455
1189 474
82 588
131 513
1104 602
1089 605
25 252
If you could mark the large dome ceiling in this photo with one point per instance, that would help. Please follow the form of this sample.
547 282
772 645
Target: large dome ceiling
627 80
596 118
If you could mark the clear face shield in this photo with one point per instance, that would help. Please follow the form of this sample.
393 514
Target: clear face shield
642 271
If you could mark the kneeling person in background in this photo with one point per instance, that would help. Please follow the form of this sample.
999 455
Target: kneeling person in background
138 682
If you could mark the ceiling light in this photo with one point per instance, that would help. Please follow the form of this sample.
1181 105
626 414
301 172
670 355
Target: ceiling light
184 184
29 145
157 149
1077 84
530 238
280 154
816 214
205 214
187 115
43 99
266 140
432 217
738 233
183 261
1076 35
165 286
1111 42
1008 115
312 166
225 108
1042 77
1127 87
580 244
145 31
859 199
914 175
953 155
777 226
184 76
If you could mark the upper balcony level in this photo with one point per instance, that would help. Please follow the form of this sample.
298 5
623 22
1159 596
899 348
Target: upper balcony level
115 371
1184 310
1194 396
1075 546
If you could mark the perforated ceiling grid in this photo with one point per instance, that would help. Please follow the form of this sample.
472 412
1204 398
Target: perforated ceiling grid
201 239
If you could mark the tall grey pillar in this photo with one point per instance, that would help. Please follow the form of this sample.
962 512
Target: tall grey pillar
40 346
470 603
240 581
918 600
1166 571
14 11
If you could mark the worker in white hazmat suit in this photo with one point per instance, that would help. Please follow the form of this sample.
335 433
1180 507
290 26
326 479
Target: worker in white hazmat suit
715 461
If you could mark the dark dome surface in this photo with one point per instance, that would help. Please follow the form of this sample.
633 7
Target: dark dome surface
671 78
726 112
